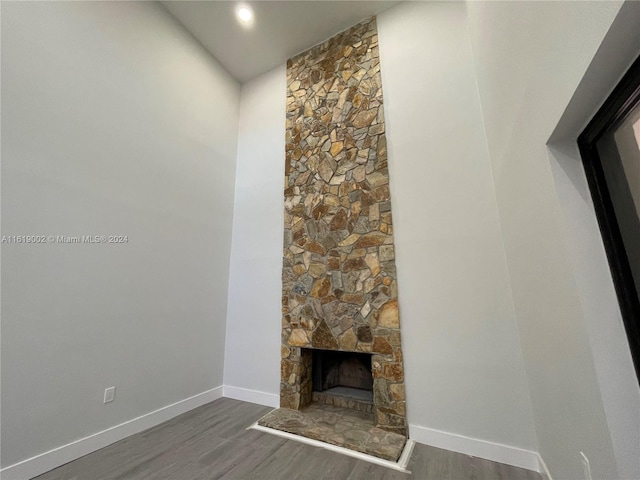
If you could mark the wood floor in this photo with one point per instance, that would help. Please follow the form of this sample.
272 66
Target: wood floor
211 442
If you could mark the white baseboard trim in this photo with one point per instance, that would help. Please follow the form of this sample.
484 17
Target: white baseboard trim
544 471
252 396
400 465
475 447
46 461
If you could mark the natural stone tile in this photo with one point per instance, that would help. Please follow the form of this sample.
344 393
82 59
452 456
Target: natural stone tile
381 345
389 316
370 240
355 298
336 148
365 89
353 264
317 270
359 174
376 129
365 309
295 249
348 341
320 211
369 284
374 212
377 179
364 118
346 166
393 372
364 333
364 275
339 277
308 323
401 410
291 401
323 338
325 170
331 200
333 263
337 180
397 391
298 338
339 220
381 194
372 262
362 158
314 247
321 287
336 279
387 253
306 259
346 323
306 310
379 300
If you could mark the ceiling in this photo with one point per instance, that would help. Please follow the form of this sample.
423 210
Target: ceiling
281 29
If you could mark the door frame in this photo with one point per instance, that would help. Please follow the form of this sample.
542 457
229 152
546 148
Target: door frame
618 105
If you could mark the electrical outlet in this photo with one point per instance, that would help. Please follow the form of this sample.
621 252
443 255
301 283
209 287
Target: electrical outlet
109 394
586 467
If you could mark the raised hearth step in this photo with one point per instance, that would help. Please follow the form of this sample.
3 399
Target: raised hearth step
338 426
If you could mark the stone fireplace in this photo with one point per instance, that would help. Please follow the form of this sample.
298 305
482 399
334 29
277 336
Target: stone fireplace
340 319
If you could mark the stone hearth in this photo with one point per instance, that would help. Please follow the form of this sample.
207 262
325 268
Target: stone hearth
338 426
339 282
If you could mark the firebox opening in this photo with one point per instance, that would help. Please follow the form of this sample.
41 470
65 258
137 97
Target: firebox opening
345 374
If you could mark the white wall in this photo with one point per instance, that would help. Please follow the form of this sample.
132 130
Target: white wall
531 59
464 368
254 319
463 363
114 121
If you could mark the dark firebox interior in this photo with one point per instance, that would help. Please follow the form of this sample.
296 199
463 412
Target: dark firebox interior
341 369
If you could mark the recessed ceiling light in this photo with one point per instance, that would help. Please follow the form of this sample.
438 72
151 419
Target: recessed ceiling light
244 14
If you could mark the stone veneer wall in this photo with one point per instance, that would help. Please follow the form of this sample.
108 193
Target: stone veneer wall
339 274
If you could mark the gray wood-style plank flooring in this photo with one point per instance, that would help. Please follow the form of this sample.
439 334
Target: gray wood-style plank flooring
211 442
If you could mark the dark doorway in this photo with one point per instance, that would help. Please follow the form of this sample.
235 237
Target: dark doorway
610 150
